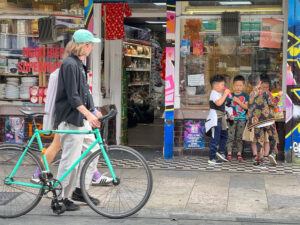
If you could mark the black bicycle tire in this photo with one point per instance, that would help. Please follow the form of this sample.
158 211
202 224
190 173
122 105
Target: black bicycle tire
149 187
41 192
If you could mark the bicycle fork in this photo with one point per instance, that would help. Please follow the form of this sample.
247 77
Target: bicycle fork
104 146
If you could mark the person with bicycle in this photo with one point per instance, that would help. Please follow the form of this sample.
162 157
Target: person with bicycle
49 124
73 111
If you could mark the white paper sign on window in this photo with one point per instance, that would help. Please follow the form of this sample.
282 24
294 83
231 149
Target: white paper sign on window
196 80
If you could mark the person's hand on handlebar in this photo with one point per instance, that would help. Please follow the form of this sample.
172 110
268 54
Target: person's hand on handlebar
98 115
93 120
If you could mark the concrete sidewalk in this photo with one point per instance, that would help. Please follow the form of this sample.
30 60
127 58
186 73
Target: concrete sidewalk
188 189
219 192
211 196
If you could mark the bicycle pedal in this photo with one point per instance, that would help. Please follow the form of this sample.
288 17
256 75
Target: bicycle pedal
57 207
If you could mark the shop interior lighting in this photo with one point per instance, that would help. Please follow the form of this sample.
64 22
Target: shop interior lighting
235 3
156 22
164 25
160 4
242 10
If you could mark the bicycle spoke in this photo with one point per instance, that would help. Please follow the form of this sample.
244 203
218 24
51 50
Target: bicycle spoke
134 189
17 200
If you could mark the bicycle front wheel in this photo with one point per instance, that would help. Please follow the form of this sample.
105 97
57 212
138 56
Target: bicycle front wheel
17 200
129 194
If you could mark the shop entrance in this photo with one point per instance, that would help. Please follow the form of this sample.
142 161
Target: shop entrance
143 83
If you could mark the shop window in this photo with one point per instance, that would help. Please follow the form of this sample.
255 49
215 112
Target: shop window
28 51
273 7
204 51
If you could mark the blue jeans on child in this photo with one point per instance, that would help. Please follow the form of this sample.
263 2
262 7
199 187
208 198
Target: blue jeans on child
220 138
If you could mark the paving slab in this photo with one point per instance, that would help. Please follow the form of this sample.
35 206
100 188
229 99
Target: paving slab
282 185
213 178
209 193
171 202
247 181
247 200
284 204
173 190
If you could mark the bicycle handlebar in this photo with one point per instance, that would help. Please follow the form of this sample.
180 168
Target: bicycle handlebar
104 122
112 113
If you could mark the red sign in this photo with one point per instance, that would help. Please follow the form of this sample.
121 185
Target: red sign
198 47
36 65
271 33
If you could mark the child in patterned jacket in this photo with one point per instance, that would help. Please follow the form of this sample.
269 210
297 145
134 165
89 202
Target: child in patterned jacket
261 117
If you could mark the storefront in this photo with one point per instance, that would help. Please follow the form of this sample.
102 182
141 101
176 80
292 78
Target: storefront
220 37
31 47
211 37
131 69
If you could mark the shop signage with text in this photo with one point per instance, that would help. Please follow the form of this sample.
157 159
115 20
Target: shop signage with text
36 64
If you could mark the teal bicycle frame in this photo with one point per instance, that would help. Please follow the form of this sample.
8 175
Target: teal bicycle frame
36 135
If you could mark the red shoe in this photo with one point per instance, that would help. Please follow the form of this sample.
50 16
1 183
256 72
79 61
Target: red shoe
239 158
229 158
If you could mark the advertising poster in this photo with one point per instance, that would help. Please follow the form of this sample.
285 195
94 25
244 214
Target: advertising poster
170 25
194 132
271 33
169 81
211 25
185 47
250 39
251 26
198 47
14 130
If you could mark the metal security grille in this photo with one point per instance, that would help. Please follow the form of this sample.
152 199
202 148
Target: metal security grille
230 23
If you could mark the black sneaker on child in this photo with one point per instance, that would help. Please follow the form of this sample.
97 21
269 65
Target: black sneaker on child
70 206
77 196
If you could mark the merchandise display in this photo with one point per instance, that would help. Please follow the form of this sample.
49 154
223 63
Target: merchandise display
113 16
37 94
16 34
136 33
157 93
24 60
229 55
26 83
137 63
12 88
2 90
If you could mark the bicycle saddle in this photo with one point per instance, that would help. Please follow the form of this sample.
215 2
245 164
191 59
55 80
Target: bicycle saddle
31 113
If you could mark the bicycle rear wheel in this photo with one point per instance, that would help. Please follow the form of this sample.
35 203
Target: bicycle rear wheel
17 200
134 187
